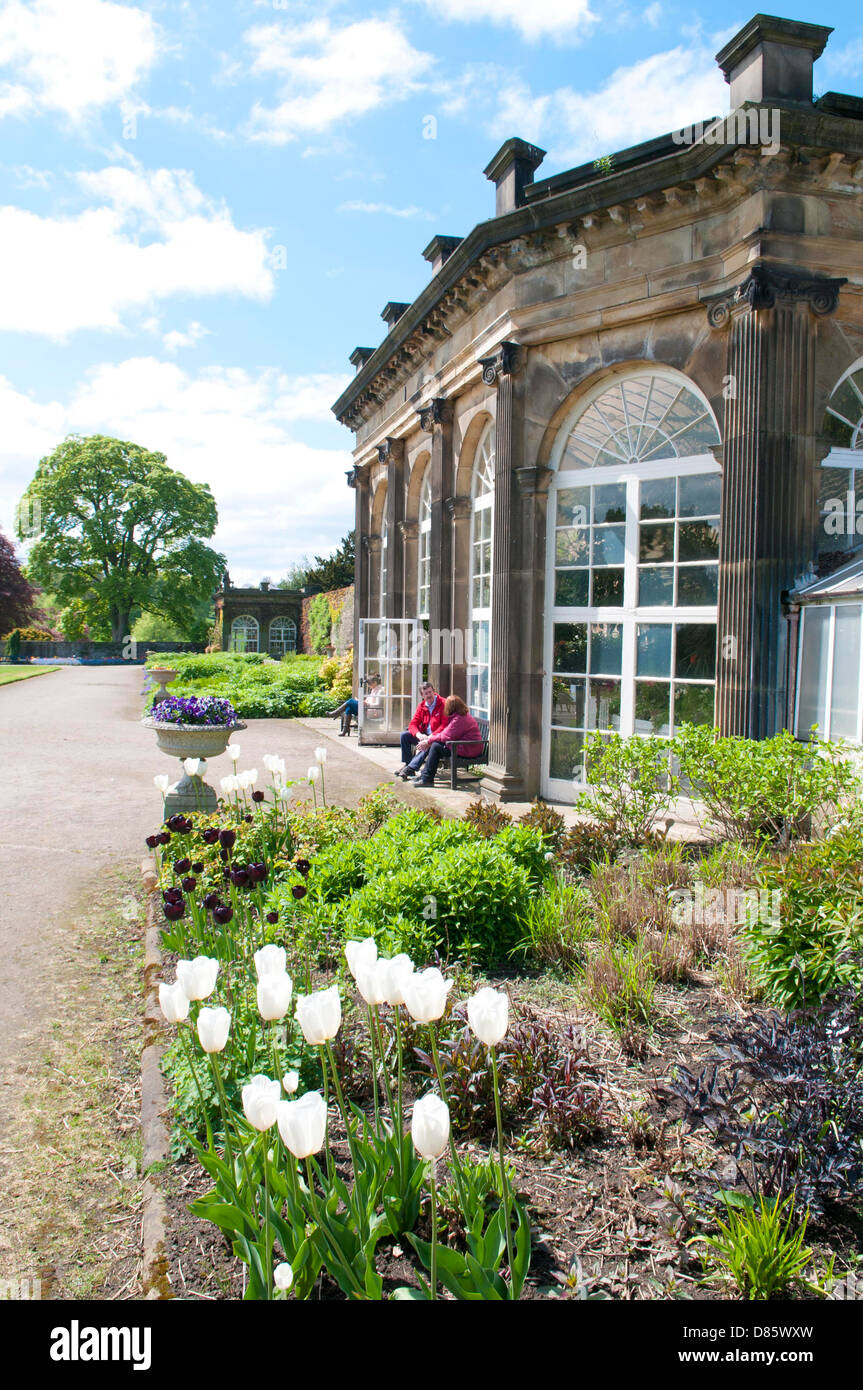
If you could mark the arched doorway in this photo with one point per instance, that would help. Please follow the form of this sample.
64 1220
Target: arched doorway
632 568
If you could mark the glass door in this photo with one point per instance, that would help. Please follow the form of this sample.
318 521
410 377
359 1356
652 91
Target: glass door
390 669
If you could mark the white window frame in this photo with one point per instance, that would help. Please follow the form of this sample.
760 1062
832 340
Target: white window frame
824 730
248 621
424 548
484 462
382 610
285 636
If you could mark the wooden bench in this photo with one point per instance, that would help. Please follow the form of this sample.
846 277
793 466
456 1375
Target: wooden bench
469 759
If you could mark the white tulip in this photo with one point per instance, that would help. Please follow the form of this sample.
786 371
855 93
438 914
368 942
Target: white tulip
303 1124
488 1015
314 773
274 996
271 960
371 982
396 974
430 1126
425 995
283 1276
291 1081
360 954
320 1014
248 778
214 1025
260 1102
229 784
198 976
234 753
195 767
174 1002
271 760
321 755
161 782
284 793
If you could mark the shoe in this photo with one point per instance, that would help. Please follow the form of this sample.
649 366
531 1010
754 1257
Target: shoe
400 771
421 782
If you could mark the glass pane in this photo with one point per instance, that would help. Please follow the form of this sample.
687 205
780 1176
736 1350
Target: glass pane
651 707
812 678
608 588
570 647
480 642
653 649
833 485
573 506
845 697
571 588
565 760
571 546
609 503
696 651
656 587
567 703
700 495
606 648
693 704
603 705
656 543
609 546
698 540
657 498
697 584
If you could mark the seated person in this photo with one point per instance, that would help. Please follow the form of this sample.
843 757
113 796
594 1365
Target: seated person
460 728
428 718
373 703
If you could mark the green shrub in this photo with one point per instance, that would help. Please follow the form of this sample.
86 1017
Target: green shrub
549 822
759 1250
320 623
528 848
557 926
338 870
808 948
631 782
486 817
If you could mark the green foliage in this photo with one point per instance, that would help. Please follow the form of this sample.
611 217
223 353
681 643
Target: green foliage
547 821
257 688
808 949
759 1249
334 571
632 785
557 926
763 790
486 817
320 623
620 982
121 531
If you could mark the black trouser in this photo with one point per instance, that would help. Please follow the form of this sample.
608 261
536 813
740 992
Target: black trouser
408 744
428 759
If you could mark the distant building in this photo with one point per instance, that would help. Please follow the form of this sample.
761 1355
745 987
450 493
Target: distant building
604 443
261 619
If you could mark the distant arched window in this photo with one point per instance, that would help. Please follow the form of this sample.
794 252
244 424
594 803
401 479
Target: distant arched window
384 547
244 634
283 636
424 549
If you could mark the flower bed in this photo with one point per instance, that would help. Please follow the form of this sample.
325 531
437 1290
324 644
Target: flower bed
406 1046
259 688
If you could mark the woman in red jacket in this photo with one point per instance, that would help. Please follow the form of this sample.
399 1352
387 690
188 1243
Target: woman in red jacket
461 728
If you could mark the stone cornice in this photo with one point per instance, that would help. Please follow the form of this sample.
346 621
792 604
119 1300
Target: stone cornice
667 184
533 479
765 284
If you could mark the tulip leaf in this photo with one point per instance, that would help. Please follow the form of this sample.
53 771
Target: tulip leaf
406 1294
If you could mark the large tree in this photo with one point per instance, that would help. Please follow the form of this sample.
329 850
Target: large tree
18 603
119 531
334 571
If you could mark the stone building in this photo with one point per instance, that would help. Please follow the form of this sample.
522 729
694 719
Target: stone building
606 439
258 620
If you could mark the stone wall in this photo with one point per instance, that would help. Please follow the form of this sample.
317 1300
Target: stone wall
341 604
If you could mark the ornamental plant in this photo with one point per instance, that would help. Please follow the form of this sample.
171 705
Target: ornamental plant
204 712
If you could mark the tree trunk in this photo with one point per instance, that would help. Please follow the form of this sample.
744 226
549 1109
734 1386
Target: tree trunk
120 623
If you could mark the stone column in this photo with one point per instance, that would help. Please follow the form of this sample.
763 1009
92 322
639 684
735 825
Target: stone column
436 419
374 571
392 453
358 479
769 504
409 537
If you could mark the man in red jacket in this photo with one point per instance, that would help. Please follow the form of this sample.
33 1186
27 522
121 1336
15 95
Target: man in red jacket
459 728
428 718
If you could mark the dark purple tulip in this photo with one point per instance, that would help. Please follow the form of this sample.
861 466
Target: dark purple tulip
257 796
182 866
223 914
257 872
152 841
197 867
239 878
172 895
224 855
302 866
299 891
210 836
212 900
189 884
173 911
177 823
272 918
165 837
227 838
249 818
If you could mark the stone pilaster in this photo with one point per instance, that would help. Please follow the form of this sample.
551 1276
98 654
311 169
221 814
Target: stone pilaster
392 453
409 537
436 419
358 479
769 502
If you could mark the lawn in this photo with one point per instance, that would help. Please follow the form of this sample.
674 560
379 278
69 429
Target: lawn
11 673
663 1041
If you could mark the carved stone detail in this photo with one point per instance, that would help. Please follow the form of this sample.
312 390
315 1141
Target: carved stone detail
534 478
390 449
765 284
434 412
500 363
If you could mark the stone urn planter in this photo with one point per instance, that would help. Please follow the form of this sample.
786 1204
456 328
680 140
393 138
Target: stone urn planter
183 741
162 675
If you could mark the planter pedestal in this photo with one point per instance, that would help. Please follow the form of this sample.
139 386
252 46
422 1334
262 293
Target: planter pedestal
191 741
190 794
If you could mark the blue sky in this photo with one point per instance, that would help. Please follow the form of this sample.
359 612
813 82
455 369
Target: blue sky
205 206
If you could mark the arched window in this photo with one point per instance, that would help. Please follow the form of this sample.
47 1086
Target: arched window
283 636
840 483
244 634
633 561
384 558
482 527
424 549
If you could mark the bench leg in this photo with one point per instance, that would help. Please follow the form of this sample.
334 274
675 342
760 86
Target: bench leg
453 771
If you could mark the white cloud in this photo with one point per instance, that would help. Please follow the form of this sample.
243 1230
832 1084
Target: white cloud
653 14
329 73
278 498
72 56
411 211
663 92
151 234
177 339
554 19
847 60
